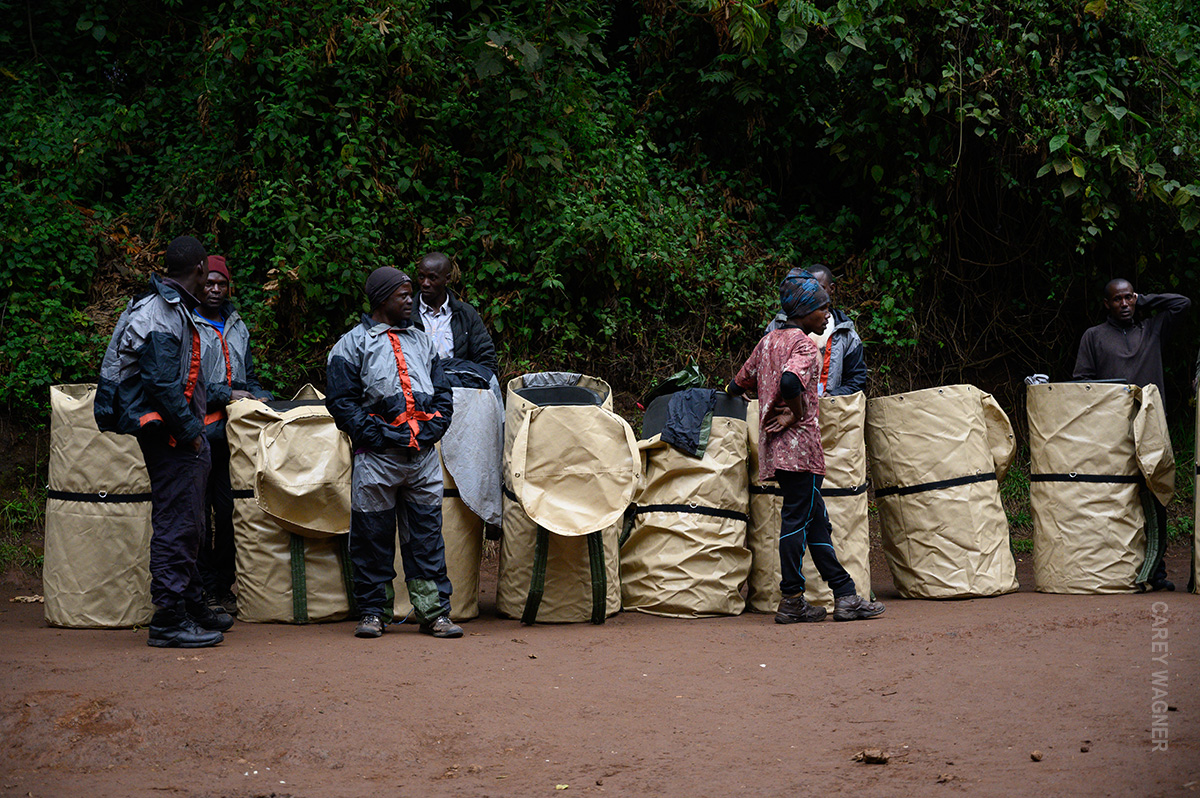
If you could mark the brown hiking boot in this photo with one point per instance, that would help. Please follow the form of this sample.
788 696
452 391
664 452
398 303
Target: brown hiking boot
369 626
855 608
442 626
794 609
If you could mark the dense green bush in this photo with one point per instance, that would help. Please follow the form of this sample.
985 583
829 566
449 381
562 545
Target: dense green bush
621 184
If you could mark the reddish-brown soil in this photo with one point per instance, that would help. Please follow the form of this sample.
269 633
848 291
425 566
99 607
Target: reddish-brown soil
959 693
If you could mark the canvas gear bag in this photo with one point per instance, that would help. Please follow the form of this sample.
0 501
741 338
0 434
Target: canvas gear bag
1092 446
570 469
302 475
684 556
284 576
96 568
937 458
843 423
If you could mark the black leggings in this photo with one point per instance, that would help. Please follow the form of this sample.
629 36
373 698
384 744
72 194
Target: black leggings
806 525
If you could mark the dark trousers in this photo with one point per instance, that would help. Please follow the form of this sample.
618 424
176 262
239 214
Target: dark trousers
805 525
217 552
178 476
395 496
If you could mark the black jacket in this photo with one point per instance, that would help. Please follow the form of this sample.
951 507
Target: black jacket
471 339
150 375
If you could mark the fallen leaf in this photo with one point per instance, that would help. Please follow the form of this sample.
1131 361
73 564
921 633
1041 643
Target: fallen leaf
35 599
872 756
198 670
562 786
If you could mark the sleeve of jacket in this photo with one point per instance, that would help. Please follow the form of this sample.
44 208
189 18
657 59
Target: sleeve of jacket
252 384
854 370
1172 306
1085 361
158 359
442 403
218 394
344 398
480 348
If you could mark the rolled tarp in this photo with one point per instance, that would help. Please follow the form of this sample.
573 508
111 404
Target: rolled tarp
1092 446
96 567
685 555
570 469
843 423
937 457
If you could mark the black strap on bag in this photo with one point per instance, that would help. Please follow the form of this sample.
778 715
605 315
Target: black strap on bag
1113 479
98 498
715 512
908 490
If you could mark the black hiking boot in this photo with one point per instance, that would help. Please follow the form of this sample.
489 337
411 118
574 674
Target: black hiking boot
222 601
170 628
855 608
208 618
795 609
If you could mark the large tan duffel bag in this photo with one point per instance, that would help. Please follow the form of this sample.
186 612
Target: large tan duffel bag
843 420
293 564
96 571
570 469
937 458
685 555
1091 446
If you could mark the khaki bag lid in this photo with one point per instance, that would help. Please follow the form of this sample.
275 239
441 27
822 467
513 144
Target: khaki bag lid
303 475
574 468
1156 459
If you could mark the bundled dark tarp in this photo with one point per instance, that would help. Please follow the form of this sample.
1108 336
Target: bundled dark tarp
1092 446
96 571
685 555
570 469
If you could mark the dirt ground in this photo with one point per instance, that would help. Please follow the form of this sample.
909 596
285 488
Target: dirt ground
959 693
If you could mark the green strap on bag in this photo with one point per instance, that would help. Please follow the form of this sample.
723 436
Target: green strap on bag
1156 540
599 576
537 582
299 580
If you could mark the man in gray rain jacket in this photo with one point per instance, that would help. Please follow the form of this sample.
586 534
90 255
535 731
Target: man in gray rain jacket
387 391
228 369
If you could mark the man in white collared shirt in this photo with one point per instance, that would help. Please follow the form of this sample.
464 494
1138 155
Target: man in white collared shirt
455 326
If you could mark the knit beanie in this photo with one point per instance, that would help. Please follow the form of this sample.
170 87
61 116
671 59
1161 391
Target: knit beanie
382 283
216 263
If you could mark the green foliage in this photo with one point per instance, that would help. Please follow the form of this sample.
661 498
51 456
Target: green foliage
621 185
22 516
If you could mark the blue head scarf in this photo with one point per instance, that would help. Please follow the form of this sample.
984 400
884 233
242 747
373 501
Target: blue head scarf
801 294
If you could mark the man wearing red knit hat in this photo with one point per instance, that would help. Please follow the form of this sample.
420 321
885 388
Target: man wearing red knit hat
228 369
